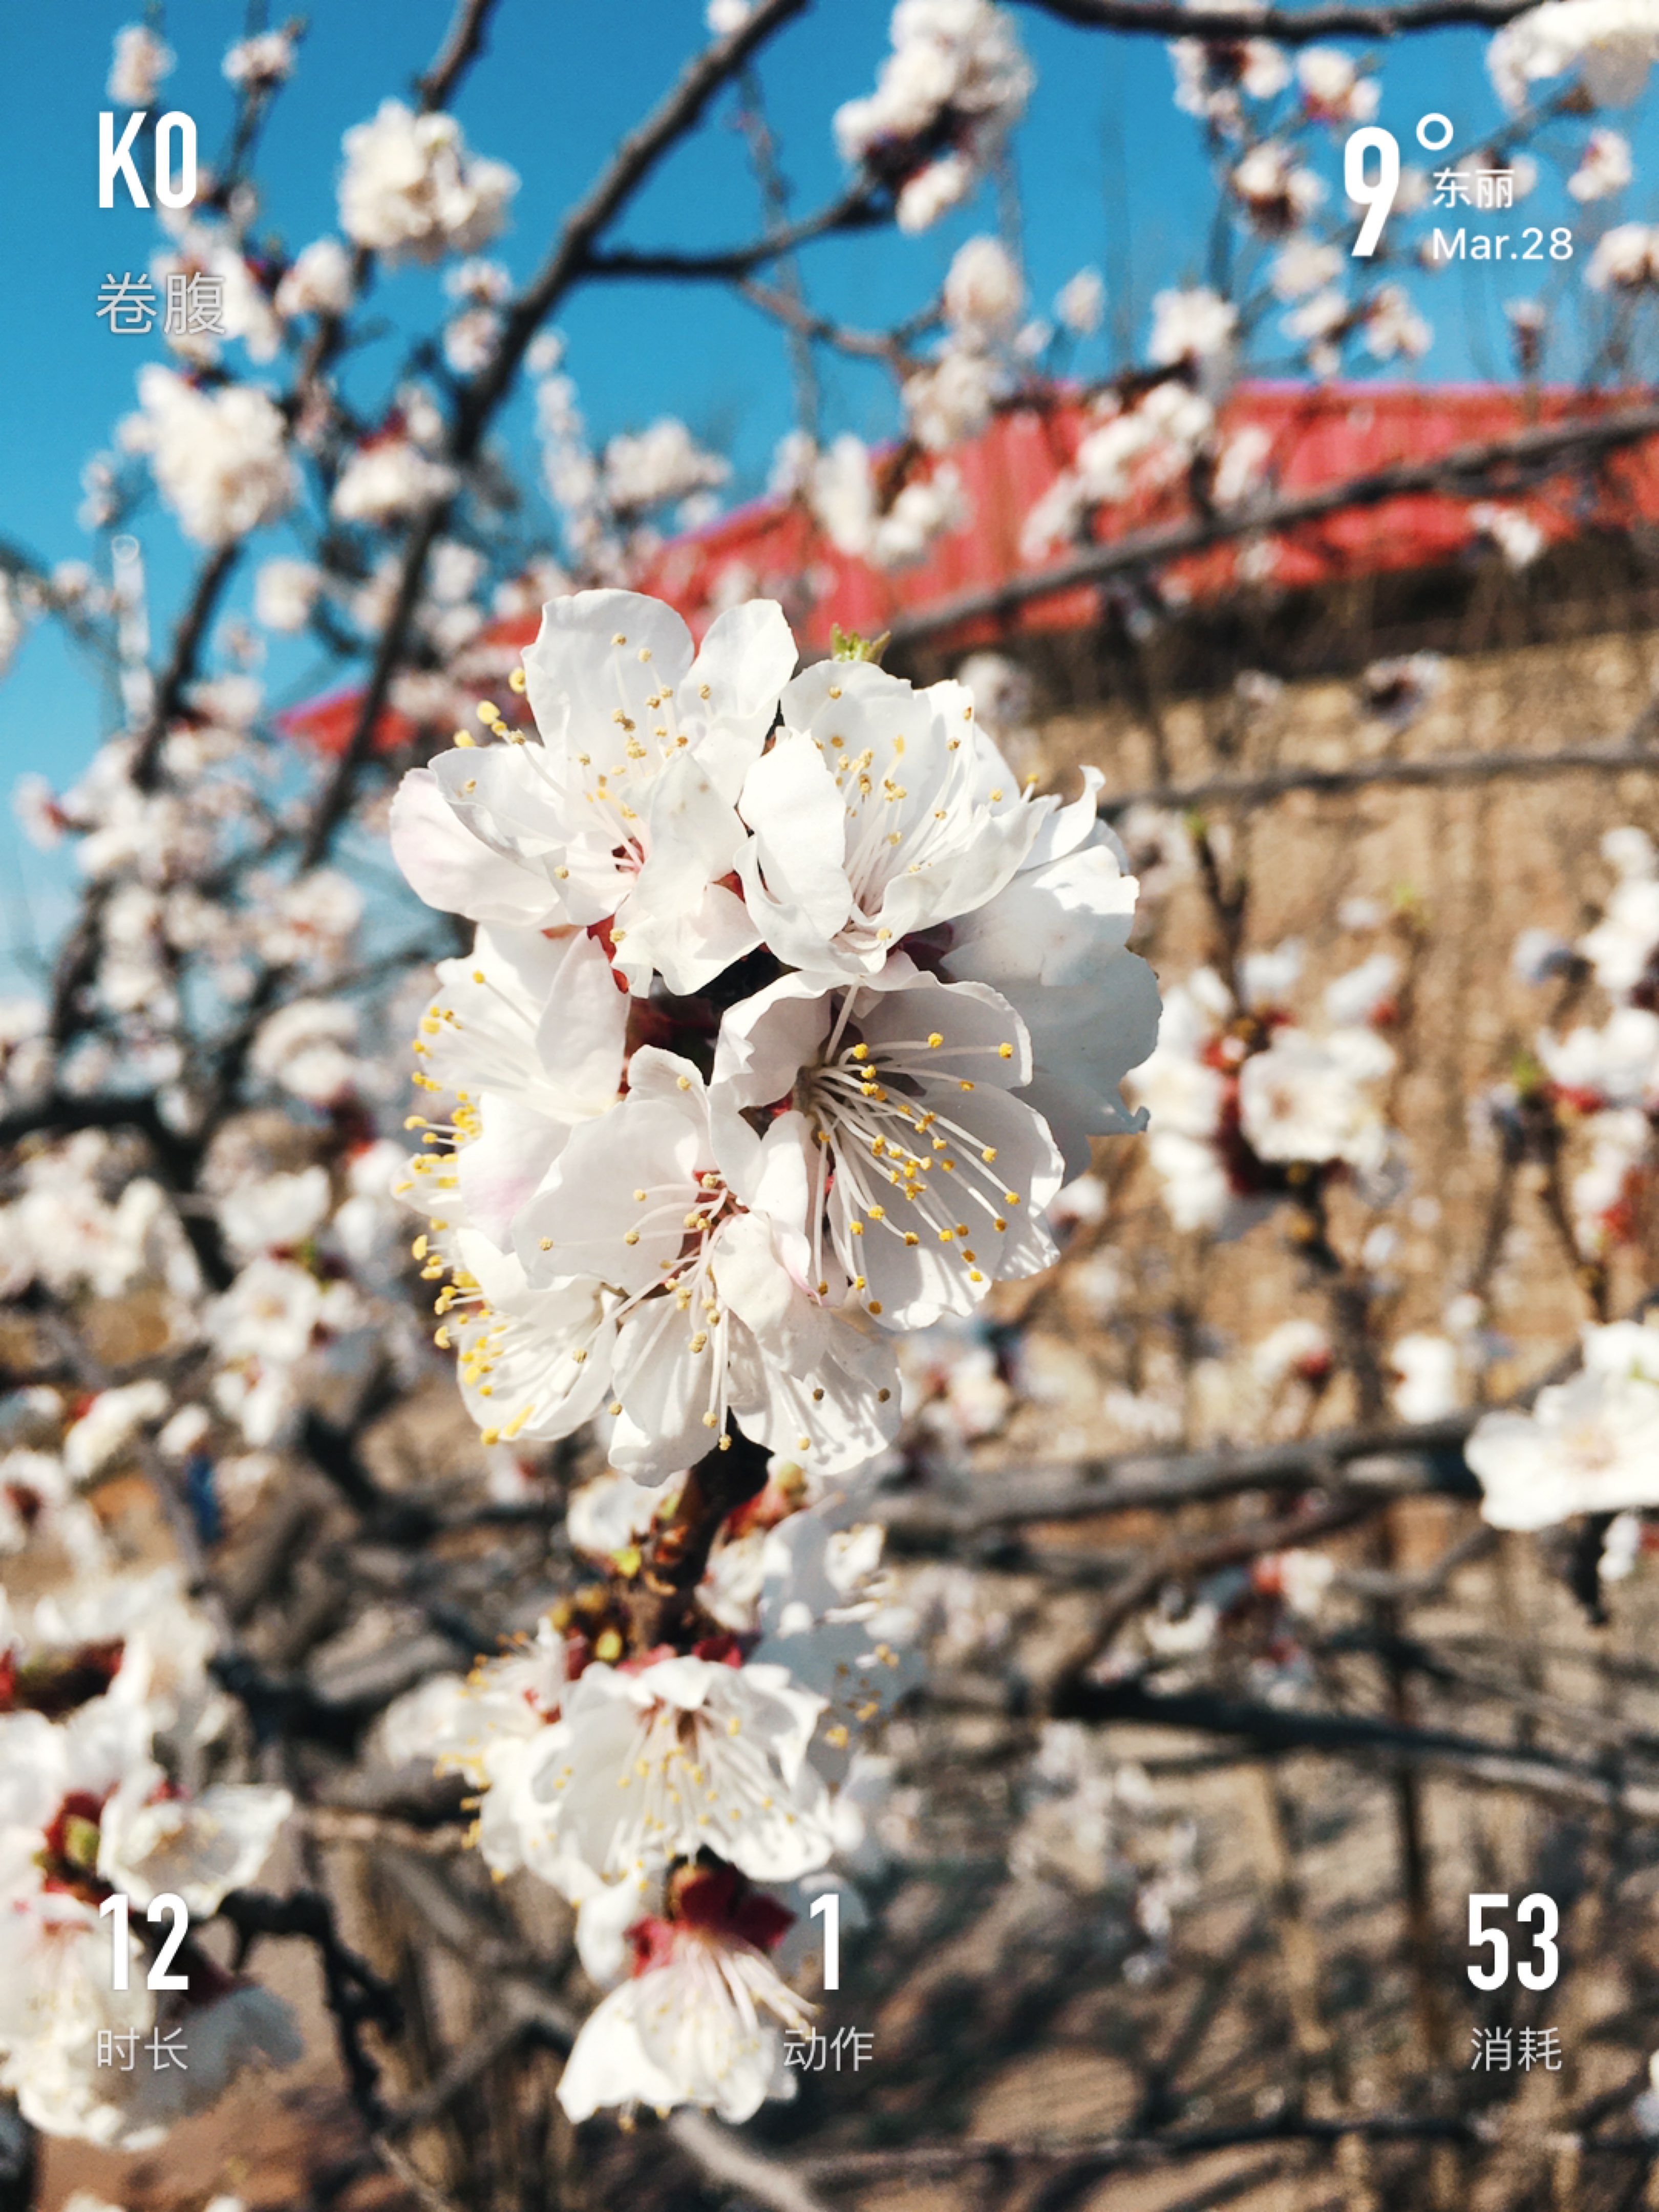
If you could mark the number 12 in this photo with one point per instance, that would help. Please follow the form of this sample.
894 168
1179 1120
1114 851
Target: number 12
166 1906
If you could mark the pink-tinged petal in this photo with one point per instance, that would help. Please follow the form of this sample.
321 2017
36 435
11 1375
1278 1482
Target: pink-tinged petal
501 1168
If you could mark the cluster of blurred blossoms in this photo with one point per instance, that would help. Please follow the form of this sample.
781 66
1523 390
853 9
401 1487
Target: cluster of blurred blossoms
1252 1108
111 1728
1587 1098
788 1010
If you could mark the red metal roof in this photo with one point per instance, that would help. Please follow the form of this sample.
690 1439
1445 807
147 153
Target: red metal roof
1317 437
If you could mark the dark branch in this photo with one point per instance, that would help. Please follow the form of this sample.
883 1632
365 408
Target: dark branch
1275 1729
460 49
1465 472
862 208
1291 27
1620 756
355 1996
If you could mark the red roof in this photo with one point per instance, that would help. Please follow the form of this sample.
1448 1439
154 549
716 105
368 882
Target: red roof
1316 436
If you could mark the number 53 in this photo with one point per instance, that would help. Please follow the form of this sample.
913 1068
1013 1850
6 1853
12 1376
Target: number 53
1535 1907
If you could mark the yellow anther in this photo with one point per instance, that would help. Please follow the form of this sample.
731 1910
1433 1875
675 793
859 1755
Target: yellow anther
1005 1052
935 1039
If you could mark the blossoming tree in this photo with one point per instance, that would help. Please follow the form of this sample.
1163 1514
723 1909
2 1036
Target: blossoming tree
643 1491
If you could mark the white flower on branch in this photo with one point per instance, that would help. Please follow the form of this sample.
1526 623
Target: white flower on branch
1302 266
1277 193
1604 167
1333 90
302 1049
657 1763
141 62
700 2022
1213 76
285 592
266 59
1306 1098
412 189
85 1809
954 85
1625 259
1612 43
317 281
1591 1445
984 295
151 1840
878 811
658 466
949 401
1080 303
927 1177
1512 531
702 1296
1197 326
220 457
623 811
389 476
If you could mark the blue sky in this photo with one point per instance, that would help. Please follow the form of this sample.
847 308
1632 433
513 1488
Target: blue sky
1109 174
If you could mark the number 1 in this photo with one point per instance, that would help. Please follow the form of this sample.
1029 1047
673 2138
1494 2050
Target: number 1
828 1907
118 1937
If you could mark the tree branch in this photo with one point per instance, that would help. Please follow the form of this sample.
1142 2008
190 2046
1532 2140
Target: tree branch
1621 756
460 49
1277 1729
1463 472
1289 27
861 208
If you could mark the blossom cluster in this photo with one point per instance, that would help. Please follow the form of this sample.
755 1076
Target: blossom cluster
108 1722
788 1010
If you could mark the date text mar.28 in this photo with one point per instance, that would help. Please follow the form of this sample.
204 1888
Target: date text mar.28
1463 244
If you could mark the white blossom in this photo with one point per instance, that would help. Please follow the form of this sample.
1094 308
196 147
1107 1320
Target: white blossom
956 74
1626 258
266 59
220 457
1195 326
1080 303
140 63
1604 167
411 188
318 280
983 291
1612 43
1590 1445
699 2021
